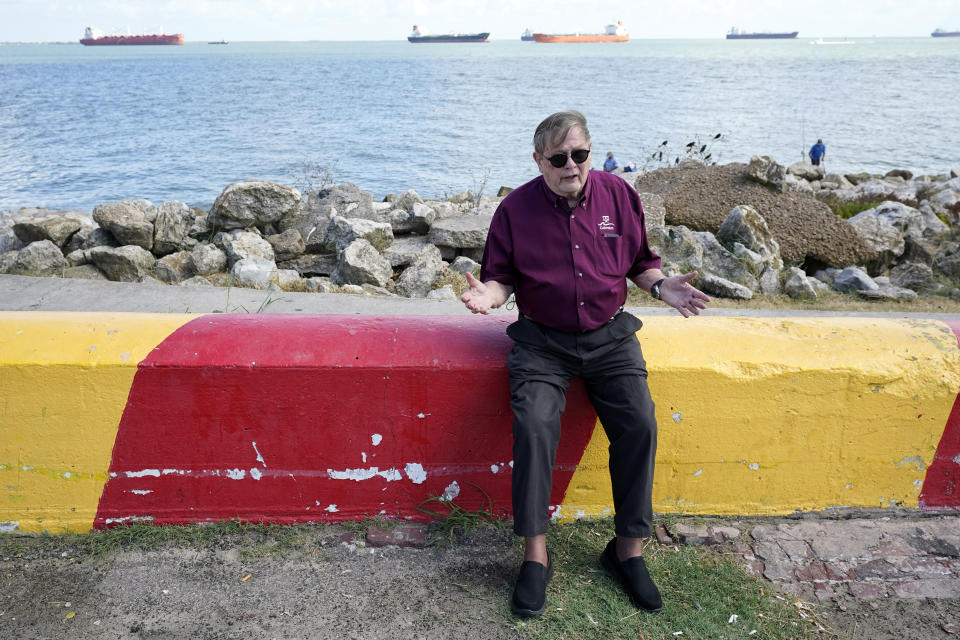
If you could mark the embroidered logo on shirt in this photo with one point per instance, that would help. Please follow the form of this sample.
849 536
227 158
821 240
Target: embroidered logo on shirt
605 224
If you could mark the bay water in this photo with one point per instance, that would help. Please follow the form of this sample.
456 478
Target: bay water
84 125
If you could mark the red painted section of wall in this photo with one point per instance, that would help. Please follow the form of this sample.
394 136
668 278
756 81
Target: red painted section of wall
941 485
312 392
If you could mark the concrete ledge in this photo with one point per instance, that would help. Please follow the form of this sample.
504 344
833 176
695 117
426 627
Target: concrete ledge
111 418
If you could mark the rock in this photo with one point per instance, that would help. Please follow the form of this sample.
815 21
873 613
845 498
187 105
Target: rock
464 197
312 264
171 228
793 184
748 228
341 232
253 203
723 288
912 275
320 285
40 258
287 245
806 171
418 220
78 258
7 259
947 259
889 292
504 191
144 206
129 263
417 280
174 267
465 265
360 263
126 223
99 237
881 235
196 281
289 279
84 272
404 249
876 190
445 293
797 284
57 230
654 211
899 173
313 217
239 245
766 171
255 272
374 290
857 178
769 281
839 180
206 259
10 242
465 232
853 279
720 262
407 200
352 288
678 249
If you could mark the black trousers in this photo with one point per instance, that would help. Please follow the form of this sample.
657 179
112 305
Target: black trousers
609 359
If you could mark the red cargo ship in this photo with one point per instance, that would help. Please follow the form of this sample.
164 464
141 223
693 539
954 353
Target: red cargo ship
96 37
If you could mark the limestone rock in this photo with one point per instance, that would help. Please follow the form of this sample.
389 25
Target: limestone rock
343 231
748 228
289 279
206 259
171 228
40 258
129 263
806 170
465 232
407 200
404 249
678 249
313 217
417 280
239 245
718 261
853 279
445 293
717 286
287 245
947 259
253 203
196 281
173 267
889 292
654 210
766 171
320 285
255 272
311 264
98 237
360 263
798 285
912 275
881 235
84 272
465 265
126 223
57 230
7 260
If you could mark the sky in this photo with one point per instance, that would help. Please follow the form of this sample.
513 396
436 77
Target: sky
238 20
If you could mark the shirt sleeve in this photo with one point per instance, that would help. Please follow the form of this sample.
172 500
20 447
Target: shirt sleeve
497 261
645 259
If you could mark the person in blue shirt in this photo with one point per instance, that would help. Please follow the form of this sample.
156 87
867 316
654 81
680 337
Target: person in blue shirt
610 163
817 152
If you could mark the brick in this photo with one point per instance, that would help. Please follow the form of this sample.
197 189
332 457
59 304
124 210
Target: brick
816 571
823 592
776 571
878 568
932 588
692 535
662 536
770 551
724 534
839 571
753 567
763 532
797 549
412 535
922 567
348 537
895 548
867 590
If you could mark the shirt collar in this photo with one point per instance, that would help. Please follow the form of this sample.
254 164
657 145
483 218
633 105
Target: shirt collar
561 201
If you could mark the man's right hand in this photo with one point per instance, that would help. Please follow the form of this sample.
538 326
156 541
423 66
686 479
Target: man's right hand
480 297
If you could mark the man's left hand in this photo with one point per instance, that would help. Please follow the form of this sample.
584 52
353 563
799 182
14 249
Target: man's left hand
677 292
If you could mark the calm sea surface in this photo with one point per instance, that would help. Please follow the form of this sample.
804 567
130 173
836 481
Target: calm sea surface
85 125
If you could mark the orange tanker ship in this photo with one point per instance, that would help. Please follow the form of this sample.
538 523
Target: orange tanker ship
612 33
96 37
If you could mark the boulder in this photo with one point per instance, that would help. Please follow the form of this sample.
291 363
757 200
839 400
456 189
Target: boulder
853 279
341 232
766 171
78 258
746 227
239 245
407 200
7 260
464 232
404 249
311 264
417 280
173 267
654 210
899 173
417 220
206 259
126 222
806 171
10 242
129 263
444 293
857 178
40 258
253 203
720 262
793 184
287 245
171 228
465 265
290 280
144 206
84 272
723 288
360 263
313 217
678 249
947 259
255 272
196 281
320 285
98 237
889 292
57 230
797 285
881 235
912 275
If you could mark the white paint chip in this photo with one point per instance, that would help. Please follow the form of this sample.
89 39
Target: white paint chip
255 473
754 466
141 474
9 526
376 439
363 456
236 474
364 474
676 417
141 492
415 472
332 508
259 457
957 459
452 491
697 472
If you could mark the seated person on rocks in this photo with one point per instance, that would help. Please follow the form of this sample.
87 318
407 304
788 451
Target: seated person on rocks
610 163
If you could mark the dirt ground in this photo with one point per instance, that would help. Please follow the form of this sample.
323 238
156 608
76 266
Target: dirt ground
327 588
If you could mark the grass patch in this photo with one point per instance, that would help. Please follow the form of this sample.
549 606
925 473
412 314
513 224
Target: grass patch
452 520
849 209
701 590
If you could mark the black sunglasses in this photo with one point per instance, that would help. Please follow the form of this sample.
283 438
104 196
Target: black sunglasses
559 160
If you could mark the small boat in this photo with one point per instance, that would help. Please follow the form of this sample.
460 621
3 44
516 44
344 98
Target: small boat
95 37
822 41
942 33
419 36
527 36
737 34
219 42
611 33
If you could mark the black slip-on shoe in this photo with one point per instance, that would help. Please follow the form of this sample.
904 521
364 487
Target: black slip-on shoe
530 593
634 577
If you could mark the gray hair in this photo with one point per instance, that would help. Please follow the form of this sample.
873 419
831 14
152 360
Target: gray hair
556 127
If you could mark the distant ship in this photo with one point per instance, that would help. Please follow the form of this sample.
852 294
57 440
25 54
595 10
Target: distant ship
940 33
417 36
94 36
737 34
611 33
526 36
218 42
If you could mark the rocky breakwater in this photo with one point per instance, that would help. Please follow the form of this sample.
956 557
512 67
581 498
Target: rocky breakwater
758 229
262 235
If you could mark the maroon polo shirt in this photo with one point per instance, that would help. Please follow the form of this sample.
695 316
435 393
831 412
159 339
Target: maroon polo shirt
568 266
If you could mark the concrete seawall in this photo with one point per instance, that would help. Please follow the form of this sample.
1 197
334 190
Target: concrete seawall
117 417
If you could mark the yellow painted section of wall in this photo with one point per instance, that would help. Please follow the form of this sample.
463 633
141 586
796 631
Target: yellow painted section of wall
761 416
64 381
